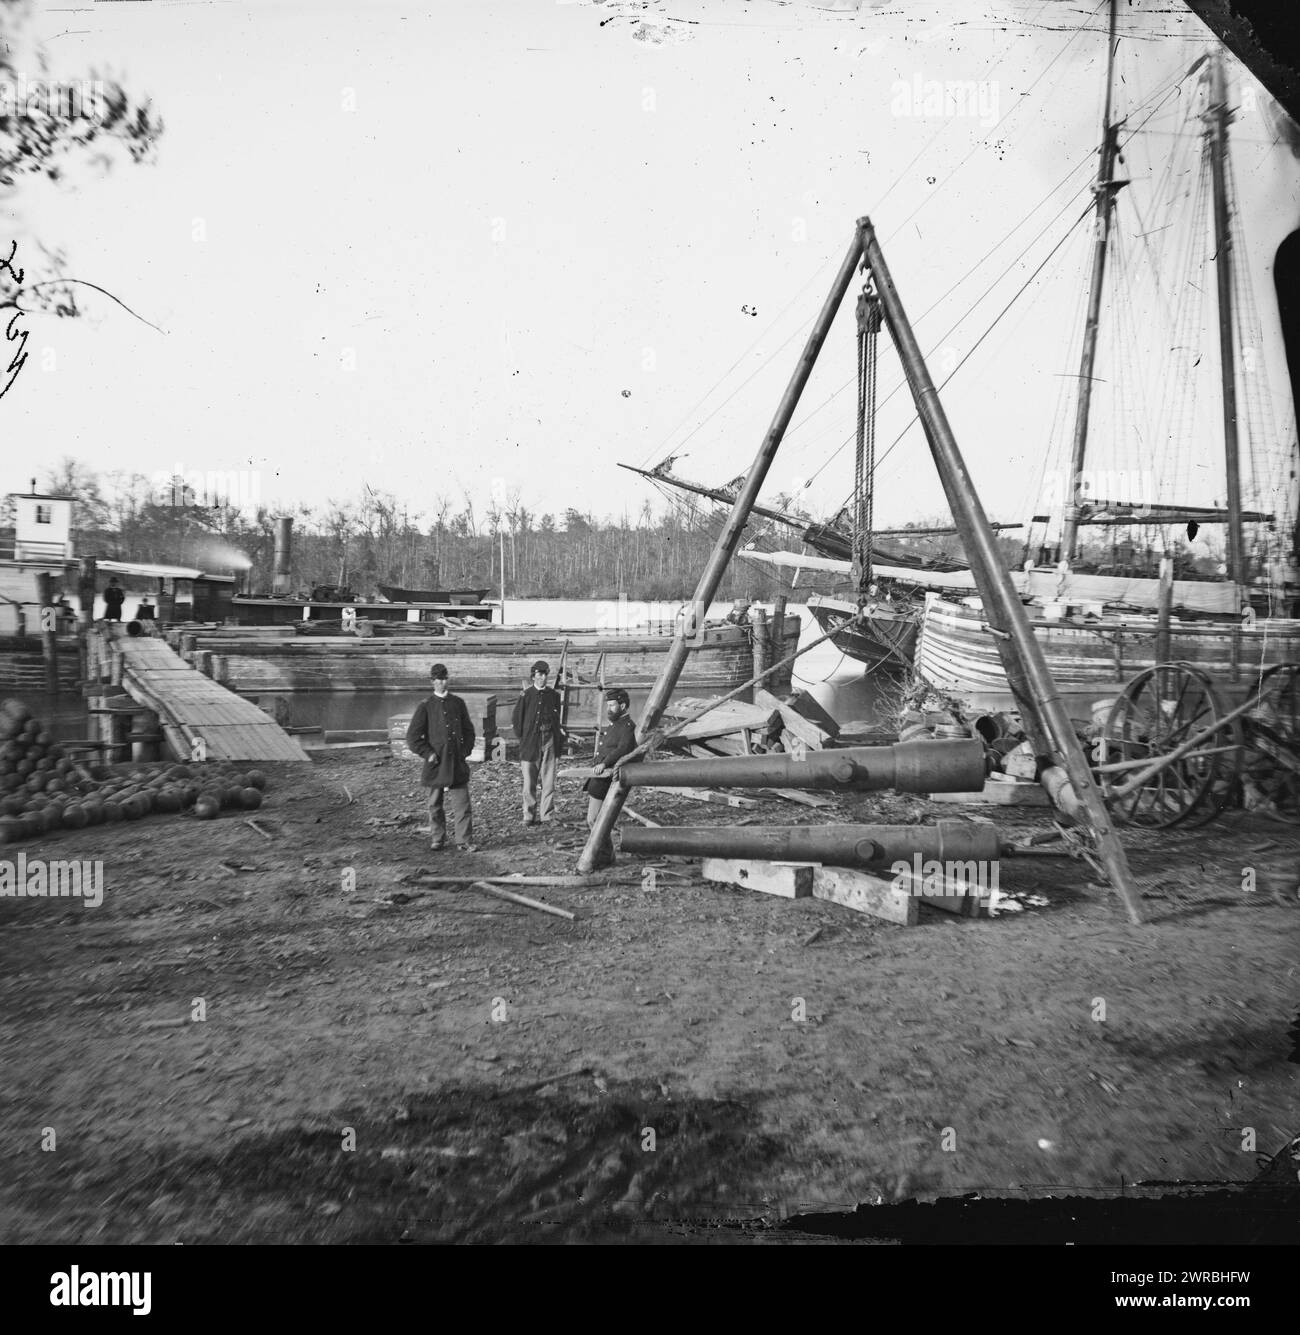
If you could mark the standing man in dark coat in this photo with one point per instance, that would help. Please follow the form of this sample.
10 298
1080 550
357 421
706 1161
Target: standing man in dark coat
536 721
443 736
114 597
618 739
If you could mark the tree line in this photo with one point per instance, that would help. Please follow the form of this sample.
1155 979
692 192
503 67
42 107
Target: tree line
375 539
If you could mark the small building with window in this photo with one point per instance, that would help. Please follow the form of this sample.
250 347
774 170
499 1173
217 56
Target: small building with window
42 528
41 544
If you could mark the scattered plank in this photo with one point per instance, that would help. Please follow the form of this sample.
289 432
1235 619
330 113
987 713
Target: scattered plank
253 825
706 795
802 702
865 893
790 880
569 881
792 721
521 899
644 820
818 800
728 719
718 747
1001 792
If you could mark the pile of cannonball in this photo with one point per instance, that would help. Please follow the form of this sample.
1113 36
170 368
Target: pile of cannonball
42 789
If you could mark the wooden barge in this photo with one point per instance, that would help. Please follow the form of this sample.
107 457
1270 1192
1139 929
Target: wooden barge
271 660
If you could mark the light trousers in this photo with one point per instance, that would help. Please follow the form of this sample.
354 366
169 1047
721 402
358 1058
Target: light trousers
456 801
539 781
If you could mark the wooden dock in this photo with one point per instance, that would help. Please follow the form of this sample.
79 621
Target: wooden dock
189 705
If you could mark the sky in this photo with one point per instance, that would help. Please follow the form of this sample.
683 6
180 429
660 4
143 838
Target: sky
493 248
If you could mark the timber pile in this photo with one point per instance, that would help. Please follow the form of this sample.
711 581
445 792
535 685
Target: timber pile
1009 756
769 725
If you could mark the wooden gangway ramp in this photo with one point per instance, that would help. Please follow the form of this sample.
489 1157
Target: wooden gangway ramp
190 705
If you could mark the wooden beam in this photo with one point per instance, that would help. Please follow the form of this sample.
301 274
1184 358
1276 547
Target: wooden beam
865 893
1000 793
793 721
705 795
962 897
790 880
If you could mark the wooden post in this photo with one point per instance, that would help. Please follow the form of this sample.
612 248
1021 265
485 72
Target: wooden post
600 705
49 631
1165 608
760 642
119 726
489 726
562 685
86 616
778 641
144 735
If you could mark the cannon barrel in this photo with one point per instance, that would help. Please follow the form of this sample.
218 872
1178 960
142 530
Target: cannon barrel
835 845
908 767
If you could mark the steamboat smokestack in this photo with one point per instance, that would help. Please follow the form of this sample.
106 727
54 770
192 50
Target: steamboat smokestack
283 553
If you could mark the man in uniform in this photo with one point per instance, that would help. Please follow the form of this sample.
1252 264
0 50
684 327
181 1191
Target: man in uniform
114 597
443 736
617 740
536 721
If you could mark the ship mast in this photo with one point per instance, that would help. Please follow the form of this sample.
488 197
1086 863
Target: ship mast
1105 191
1217 117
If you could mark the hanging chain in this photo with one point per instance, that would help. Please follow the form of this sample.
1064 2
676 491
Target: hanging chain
864 466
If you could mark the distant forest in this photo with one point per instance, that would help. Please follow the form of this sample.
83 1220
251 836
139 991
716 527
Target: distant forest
656 554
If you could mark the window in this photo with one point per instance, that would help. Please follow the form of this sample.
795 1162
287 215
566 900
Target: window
45 514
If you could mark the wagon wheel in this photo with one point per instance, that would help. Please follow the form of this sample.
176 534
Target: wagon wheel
1158 712
1273 729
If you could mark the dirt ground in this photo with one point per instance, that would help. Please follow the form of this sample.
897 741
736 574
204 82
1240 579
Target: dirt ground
402 1062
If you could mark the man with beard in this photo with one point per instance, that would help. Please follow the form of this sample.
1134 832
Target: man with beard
616 741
